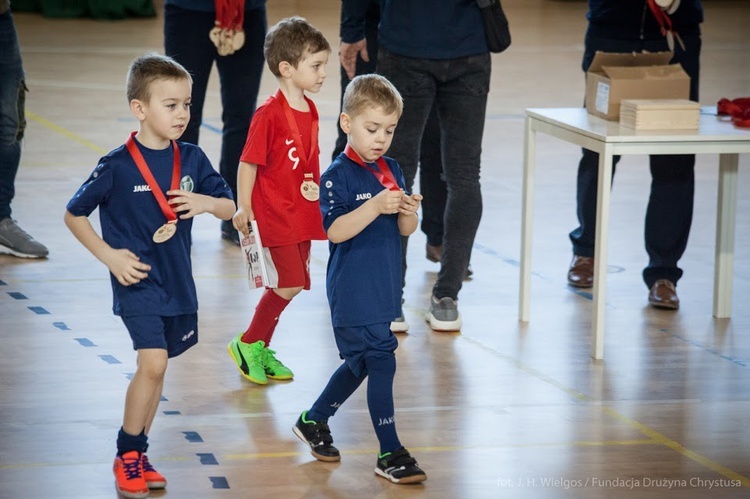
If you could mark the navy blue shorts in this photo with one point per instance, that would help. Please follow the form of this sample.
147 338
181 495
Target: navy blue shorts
173 334
355 342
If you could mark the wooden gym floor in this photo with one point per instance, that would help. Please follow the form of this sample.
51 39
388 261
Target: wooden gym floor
504 409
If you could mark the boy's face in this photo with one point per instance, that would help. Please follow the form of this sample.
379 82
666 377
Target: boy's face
311 71
370 132
167 112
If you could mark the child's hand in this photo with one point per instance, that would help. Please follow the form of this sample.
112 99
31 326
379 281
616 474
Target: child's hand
409 204
387 202
126 266
241 219
189 204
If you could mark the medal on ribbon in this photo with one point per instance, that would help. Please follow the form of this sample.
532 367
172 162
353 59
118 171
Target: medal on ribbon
383 173
167 230
309 189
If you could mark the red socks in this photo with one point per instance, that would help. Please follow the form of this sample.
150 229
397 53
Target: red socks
266 317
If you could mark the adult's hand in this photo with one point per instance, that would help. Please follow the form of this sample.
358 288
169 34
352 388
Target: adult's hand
348 56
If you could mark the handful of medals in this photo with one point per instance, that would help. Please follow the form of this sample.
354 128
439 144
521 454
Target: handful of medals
662 9
227 33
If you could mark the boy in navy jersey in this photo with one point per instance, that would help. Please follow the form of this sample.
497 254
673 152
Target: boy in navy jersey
148 192
277 185
365 212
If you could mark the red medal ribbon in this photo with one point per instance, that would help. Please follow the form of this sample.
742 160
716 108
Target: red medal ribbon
384 176
140 162
230 14
296 135
665 22
738 109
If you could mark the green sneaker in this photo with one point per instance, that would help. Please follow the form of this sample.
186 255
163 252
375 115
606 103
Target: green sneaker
249 359
274 368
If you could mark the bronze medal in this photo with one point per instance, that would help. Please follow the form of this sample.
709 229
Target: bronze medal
165 232
310 190
238 40
215 36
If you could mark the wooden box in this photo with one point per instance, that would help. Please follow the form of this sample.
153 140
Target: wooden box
659 114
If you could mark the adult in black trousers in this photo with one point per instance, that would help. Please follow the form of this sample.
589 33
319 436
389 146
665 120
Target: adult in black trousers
631 26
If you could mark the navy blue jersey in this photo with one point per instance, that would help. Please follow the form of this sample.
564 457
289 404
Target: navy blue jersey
130 214
363 280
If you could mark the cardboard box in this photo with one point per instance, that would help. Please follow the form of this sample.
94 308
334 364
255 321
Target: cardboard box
644 75
666 114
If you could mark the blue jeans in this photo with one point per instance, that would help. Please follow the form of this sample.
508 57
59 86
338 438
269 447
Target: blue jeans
12 116
186 40
458 89
670 207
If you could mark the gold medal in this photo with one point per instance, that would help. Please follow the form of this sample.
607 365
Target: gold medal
165 232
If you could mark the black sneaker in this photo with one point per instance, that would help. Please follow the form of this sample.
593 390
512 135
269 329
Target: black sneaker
399 467
228 233
317 435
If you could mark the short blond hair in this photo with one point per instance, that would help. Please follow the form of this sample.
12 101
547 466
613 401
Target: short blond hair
148 68
371 90
288 40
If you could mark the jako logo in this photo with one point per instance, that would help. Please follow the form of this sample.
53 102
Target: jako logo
141 188
385 421
362 197
187 336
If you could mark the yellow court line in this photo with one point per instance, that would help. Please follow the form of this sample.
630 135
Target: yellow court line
418 450
67 133
354 452
646 430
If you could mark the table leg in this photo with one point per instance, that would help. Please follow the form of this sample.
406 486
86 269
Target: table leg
527 208
725 222
604 188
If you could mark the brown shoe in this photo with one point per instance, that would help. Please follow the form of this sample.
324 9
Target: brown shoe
581 272
664 295
433 253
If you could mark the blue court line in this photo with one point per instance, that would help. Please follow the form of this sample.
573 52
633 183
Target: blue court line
211 128
129 375
109 359
171 413
17 295
85 342
192 436
39 310
61 325
207 458
3 283
219 482
733 360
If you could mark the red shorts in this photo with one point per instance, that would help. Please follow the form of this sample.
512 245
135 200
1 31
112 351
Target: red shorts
292 265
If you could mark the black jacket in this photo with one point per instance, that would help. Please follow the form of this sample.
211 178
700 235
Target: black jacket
632 19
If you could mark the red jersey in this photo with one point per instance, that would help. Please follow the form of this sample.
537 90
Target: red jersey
284 216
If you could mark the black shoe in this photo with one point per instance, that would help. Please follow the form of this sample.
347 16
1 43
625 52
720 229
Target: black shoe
228 233
317 435
399 467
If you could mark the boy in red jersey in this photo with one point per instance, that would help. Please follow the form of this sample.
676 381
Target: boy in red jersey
277 185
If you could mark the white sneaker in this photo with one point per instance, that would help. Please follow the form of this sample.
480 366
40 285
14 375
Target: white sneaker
443 315
399 325
15 241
